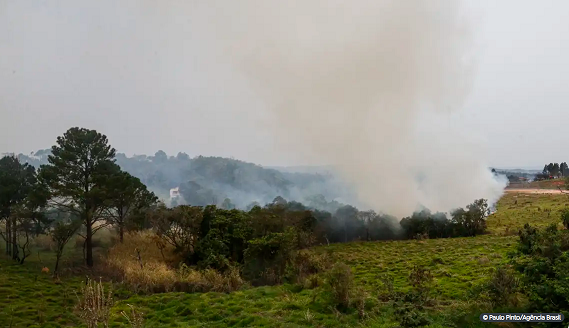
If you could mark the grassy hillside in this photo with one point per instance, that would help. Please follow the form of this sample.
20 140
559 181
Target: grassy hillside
35 300
456 263
516 209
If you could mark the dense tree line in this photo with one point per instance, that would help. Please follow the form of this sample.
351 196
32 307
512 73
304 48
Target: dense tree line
264 239
82 189
553 170
462 222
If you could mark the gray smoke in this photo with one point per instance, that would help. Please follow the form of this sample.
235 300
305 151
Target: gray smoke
365 86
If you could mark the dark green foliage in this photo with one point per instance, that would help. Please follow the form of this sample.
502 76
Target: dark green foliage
179 227
543 261
61 232
410 306
565 218
426 224
502 287
340 283
563 168
126 199
77 178
266 240
224 240
22 200
266 258
464 222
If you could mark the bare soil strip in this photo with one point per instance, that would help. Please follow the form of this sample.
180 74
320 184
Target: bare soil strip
534 191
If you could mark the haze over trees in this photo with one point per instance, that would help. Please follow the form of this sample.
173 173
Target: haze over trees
210 180
82 189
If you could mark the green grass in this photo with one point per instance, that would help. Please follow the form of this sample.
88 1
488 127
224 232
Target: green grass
516 209
279 306
456 263
32 299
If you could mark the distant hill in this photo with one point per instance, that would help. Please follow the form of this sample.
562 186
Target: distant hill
210 180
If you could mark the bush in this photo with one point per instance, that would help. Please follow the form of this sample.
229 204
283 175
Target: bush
565 218
304 264
542 259
410 306
502 287
267 258
340 282
145 268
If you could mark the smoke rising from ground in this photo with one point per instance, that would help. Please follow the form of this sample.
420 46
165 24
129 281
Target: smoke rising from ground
366 86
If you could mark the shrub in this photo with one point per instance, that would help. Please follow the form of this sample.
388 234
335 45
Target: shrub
543 260
502 287
267 258
340 281
145 268
409 307
565 218
306 263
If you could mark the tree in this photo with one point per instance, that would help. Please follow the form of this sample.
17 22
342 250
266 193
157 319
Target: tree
564 168
227 204
550 168
76 177
29 219
472 221
556 169
545 170
18 190
126 196
61 233
179 227
182 157
347 220
160 157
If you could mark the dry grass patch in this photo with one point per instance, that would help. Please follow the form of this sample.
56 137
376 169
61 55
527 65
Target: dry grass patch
146 268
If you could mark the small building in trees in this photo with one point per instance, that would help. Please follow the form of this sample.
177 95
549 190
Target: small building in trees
175 193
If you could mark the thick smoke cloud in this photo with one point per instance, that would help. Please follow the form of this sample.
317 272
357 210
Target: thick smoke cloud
365 86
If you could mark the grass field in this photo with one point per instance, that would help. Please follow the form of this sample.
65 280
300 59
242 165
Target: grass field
516 209
33 299
456 263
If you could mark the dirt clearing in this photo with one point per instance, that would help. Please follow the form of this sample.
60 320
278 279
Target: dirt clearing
534 191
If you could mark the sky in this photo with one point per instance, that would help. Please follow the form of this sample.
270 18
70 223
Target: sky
161 75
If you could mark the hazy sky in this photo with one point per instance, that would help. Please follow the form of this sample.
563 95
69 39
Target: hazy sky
149 75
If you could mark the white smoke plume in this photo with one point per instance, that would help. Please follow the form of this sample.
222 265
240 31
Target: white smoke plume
364 86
